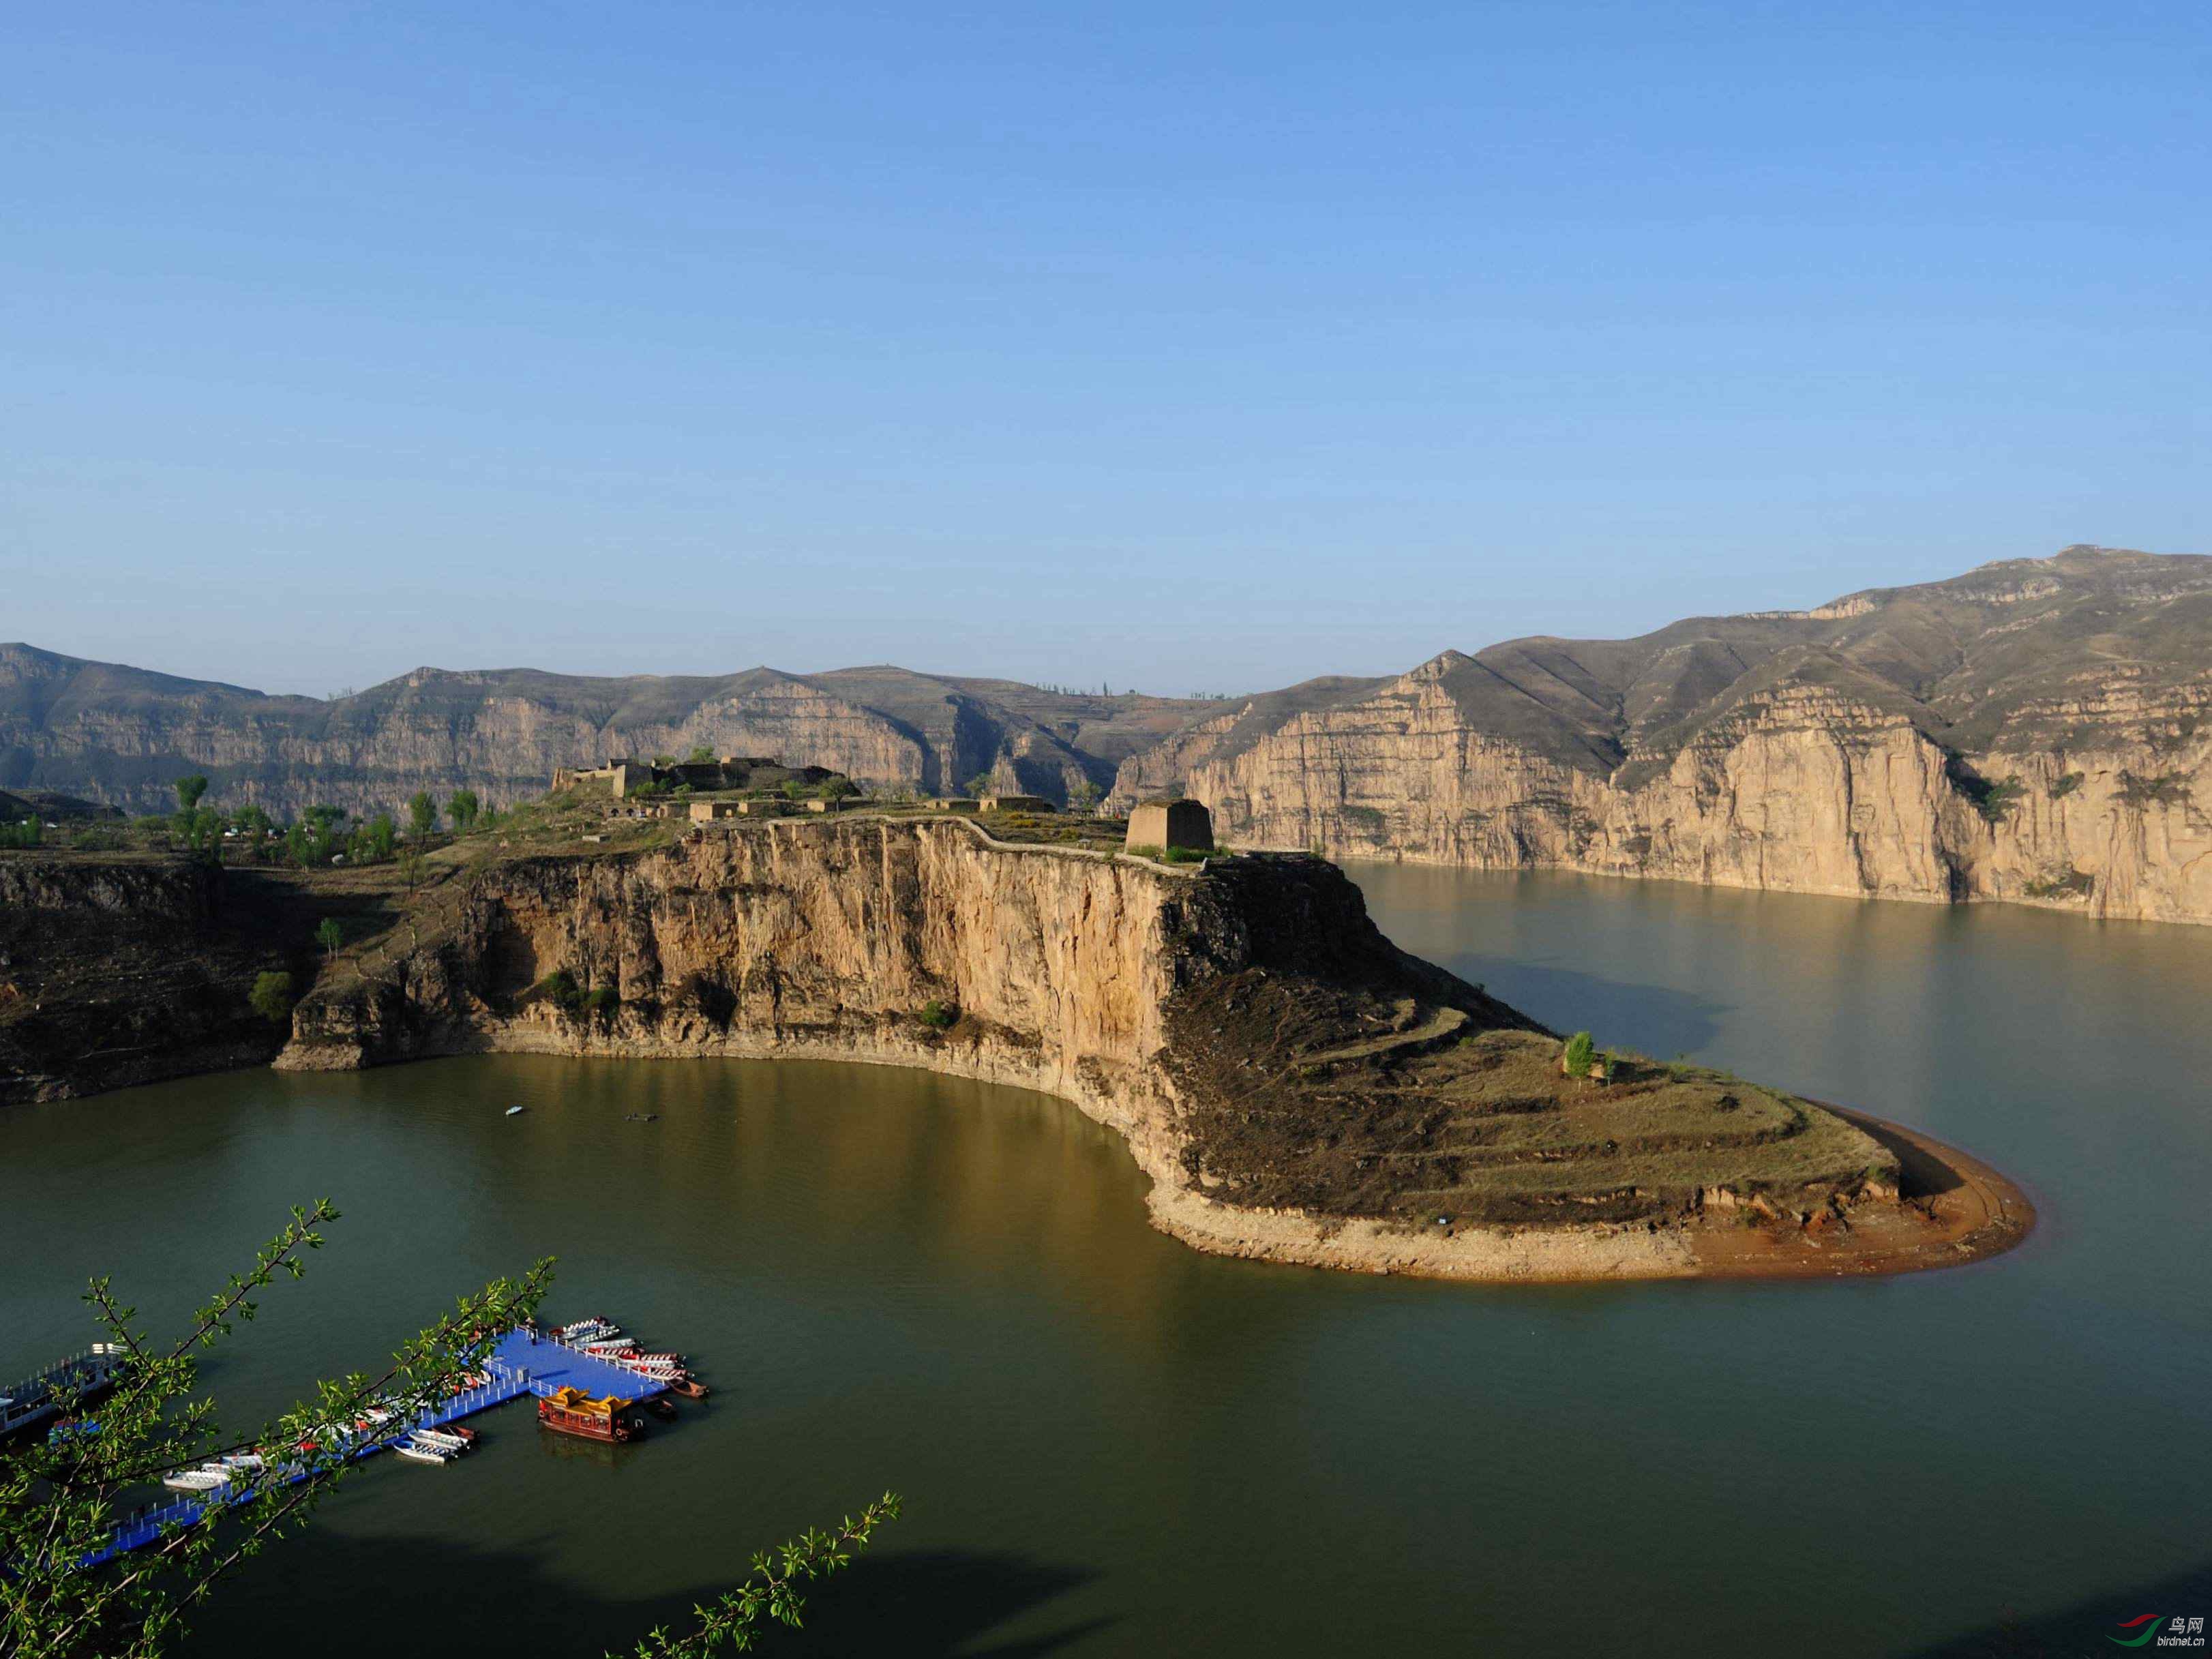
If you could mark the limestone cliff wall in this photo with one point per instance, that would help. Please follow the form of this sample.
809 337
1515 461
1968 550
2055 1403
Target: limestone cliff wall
1804 790
828 939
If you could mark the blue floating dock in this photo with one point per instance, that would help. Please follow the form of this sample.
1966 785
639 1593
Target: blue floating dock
521 1363
549 1367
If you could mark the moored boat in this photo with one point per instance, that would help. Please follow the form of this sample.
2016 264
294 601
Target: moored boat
422 1449
200 1480
571 1411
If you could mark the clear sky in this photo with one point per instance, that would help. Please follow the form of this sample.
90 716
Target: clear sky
1195 347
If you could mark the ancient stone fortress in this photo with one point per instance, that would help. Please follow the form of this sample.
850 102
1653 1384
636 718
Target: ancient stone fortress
1167 824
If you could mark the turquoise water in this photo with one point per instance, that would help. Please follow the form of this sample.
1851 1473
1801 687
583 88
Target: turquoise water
1112 1445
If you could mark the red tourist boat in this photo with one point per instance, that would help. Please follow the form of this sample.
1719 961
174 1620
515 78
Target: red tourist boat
571 1411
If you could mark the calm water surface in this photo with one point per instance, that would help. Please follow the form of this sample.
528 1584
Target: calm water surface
1111 1445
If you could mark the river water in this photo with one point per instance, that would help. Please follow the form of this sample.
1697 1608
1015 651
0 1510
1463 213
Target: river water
1110 1444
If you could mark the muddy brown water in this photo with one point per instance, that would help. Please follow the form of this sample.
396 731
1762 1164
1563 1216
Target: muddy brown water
1112 1445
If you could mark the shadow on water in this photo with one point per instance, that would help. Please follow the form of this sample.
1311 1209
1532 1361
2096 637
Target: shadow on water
1667 1022
928 1604
2088 1626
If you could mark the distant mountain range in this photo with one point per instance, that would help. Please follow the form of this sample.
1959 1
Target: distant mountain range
2033 729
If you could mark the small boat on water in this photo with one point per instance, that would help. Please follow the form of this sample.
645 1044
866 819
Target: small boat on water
516 1111
611 1346
422 1449
641 1117
200 1480
244 1462
444 1439
690 1386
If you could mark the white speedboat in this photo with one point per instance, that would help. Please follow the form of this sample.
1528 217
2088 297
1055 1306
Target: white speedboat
421 1450
439 1438
516 1111
194 1480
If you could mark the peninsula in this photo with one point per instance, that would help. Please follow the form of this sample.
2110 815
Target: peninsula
1297 1088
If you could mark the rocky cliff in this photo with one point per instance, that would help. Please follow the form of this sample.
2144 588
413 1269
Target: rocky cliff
1297 1087
2033 732
1057 969
120 736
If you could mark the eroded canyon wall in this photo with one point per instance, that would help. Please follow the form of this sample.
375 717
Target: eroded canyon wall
829 940
1802 788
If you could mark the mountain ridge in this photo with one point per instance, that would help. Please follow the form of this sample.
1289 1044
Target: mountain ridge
1886 741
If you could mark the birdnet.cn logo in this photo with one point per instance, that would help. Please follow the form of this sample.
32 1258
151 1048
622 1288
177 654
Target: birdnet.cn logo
2156 1630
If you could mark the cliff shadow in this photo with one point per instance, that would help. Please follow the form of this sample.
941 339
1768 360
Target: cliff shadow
929 1604
1657 1019
1921 1173
2091 1625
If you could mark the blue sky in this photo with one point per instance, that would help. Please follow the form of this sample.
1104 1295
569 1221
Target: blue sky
1186 347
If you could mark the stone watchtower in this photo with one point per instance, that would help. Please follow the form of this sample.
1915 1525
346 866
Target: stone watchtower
1165 824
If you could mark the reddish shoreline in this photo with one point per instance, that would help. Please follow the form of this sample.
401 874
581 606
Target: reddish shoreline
1954 1209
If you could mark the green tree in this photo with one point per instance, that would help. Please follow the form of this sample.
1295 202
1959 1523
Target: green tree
1577 1056
793 790
271 998
840 789
189 791
1085 796
422 814
980 785
252 821
330 934
462 809
700 754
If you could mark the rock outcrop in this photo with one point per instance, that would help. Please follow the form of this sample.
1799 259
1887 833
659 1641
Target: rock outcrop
2036 732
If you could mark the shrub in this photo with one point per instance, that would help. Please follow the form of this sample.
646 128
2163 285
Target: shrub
1575 1059
271 998
602 1003
939 1017
2069 883
2065 785
2168 789
1995 800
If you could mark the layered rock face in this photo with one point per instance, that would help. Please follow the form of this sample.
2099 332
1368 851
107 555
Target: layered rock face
120 736
817 939
2037 732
